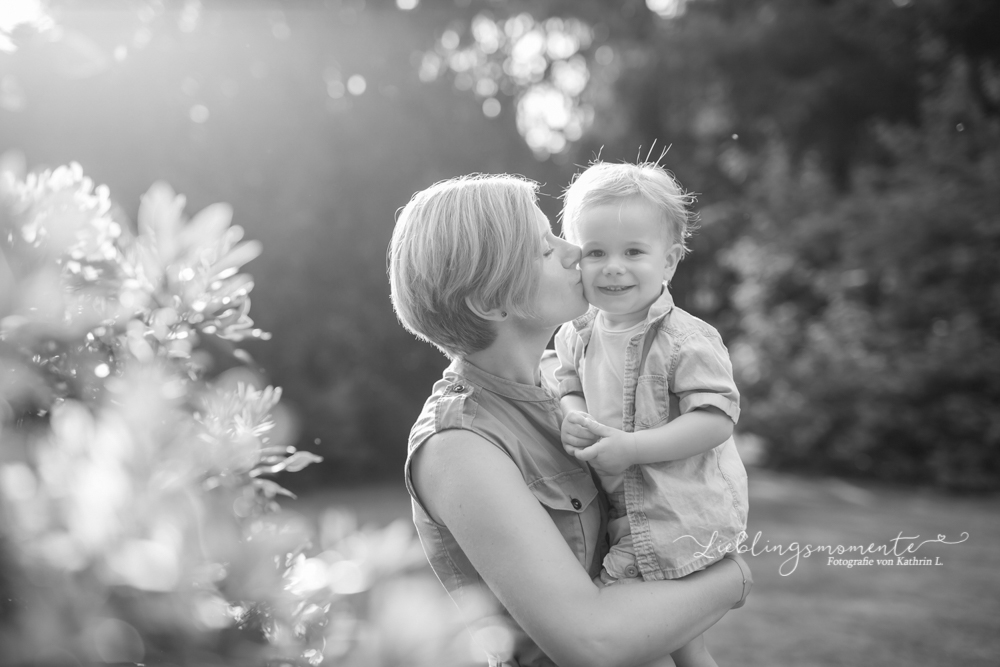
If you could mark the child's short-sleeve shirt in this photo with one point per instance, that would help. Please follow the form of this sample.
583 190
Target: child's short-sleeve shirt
682 514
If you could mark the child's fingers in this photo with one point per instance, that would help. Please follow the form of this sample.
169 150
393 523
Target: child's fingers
586 454
578 433
597 428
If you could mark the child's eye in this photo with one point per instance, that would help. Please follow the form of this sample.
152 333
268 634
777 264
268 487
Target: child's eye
632 252
595 253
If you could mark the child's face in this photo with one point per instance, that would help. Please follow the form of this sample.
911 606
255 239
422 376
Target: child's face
627 254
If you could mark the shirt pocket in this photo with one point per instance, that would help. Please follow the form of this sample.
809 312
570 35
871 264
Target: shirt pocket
570 499
652 401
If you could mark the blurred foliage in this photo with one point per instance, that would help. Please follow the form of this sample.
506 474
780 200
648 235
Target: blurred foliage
815 130
139 524
871 320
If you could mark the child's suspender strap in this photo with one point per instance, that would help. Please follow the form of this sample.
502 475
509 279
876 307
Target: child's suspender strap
647 342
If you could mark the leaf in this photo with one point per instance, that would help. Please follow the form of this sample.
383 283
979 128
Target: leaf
237 257
271 489
293 463
207 226
300 460
234 288
148 259
161 217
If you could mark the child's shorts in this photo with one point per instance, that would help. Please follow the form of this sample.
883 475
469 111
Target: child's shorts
619 565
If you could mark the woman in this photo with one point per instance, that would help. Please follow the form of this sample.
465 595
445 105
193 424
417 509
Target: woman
476 270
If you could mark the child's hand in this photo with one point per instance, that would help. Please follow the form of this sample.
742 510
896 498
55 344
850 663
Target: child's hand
574 432
613 451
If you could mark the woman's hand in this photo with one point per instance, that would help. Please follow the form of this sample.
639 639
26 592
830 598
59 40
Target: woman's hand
746 574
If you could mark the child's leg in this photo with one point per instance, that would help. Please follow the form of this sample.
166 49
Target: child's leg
693 654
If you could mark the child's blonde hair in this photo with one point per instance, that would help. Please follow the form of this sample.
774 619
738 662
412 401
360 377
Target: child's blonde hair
475 237
604 183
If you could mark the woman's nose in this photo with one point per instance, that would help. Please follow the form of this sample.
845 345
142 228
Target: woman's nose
569 254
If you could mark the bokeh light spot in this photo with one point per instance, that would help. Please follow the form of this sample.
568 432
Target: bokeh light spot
309 574
668 9
21 12
212 612
407 5
199 113
116 641
281 31
494 636
356 85
486 88
142 37
604 55
491 107
190 16
17 481
146 565
102 370
449 40
346 578
335 89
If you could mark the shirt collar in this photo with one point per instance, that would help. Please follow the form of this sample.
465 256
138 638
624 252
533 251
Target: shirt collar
498 385
663 305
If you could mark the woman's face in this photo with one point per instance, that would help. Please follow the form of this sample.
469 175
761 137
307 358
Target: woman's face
560 290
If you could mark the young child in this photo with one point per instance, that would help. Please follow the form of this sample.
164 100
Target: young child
647 389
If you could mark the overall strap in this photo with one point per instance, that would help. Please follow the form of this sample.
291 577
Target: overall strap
647 342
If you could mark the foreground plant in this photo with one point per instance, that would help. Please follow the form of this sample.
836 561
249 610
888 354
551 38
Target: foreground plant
138 520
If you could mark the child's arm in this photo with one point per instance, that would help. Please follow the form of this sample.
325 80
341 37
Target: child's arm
691 433
702 379
569 353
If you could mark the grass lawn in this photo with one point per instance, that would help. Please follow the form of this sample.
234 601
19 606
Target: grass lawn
816 613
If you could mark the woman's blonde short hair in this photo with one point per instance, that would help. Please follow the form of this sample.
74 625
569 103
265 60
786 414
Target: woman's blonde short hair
476 238
605 183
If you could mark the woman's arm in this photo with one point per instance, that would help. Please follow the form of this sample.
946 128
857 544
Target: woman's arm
472 487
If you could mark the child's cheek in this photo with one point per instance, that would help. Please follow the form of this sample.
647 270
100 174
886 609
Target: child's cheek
588 276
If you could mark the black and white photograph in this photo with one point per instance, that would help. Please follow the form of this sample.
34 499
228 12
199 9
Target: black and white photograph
500 333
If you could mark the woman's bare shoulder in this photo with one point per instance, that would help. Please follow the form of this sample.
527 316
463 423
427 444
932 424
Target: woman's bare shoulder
447 462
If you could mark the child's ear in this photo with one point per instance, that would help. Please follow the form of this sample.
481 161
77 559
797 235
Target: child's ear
493 314
673 258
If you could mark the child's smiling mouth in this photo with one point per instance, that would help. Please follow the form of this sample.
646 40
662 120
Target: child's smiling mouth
614 289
